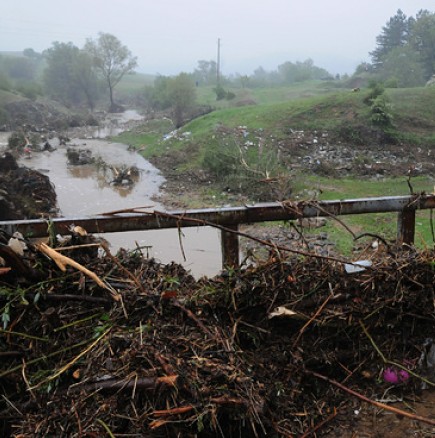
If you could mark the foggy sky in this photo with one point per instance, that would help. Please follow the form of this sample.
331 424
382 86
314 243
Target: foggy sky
170 36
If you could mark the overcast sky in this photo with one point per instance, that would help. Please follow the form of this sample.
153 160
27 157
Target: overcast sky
170 36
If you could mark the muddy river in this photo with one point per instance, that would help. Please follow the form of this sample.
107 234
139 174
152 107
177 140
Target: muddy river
88 189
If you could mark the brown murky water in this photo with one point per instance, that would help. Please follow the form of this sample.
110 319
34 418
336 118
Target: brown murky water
86 190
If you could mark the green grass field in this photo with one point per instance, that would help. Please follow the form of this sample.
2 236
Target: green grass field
309 106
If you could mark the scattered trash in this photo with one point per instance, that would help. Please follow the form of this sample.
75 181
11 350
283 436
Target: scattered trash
358 266
395 376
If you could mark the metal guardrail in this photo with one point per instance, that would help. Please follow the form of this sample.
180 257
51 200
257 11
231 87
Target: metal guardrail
228 219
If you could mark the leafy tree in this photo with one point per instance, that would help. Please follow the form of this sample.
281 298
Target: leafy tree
423 40
403 64
157 96
59 77
244 80
69 76
394 34
301 71
262 78
364 67
182 94
30 53
86 78
112 59
19 68
177 94
206 72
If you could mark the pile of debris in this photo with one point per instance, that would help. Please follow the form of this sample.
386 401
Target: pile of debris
24 193
121 345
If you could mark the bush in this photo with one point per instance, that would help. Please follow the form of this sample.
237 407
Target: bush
375 90
221 161
220 92
380 111
392 83
16 140
30 90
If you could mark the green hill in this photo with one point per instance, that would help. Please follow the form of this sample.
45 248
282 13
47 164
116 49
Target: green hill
343 115
323 146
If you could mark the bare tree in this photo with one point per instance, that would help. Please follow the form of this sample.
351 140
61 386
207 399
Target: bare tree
112 59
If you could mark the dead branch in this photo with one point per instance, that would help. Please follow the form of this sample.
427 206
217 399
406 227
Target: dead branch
127 210
190 314
113 384
248 236
63 261
373 402
320 425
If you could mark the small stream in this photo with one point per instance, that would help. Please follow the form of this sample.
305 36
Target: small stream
87 190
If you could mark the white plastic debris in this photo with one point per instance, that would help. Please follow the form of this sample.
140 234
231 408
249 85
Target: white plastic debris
358 266
17 244
281 311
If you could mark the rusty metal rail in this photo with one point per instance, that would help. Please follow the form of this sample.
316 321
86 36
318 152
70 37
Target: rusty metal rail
232 217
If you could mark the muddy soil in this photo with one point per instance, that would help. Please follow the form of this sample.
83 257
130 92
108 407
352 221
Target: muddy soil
24 193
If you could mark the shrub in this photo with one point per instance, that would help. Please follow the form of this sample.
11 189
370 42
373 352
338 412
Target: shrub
375 90
380 111
220 92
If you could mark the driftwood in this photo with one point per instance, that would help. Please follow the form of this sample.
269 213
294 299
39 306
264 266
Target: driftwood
209 356
113 384
63 261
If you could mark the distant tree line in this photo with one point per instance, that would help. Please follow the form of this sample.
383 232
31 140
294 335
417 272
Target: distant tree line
286 74
68 74
175 95
178 94
405 51
404 56
20 72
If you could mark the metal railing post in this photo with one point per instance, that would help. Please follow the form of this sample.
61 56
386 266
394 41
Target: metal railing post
230 248
406 226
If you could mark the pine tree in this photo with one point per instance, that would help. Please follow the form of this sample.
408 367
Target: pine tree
394 34
422 40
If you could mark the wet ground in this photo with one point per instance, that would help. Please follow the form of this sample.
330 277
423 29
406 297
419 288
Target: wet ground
88 189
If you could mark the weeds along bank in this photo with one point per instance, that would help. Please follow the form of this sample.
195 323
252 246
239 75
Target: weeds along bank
253 150
319 147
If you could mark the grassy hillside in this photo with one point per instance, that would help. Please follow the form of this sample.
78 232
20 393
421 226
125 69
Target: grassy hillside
229 150
7 97
207 96
342 113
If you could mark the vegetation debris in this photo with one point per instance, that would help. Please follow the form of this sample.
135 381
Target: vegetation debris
288 347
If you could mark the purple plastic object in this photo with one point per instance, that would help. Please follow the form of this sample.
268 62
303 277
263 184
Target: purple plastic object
393 376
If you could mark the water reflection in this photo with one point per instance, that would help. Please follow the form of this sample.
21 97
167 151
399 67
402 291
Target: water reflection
85 190
104 178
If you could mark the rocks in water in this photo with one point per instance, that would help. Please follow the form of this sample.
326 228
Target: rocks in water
79 156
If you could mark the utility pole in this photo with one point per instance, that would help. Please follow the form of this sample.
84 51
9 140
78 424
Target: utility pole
218 61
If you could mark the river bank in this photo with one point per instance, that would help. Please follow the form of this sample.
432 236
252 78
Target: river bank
256 352
89 189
